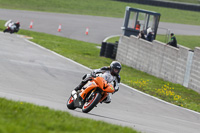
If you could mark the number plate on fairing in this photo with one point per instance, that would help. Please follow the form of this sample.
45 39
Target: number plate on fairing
88 84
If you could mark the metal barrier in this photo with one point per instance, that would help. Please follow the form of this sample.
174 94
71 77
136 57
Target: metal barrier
169 4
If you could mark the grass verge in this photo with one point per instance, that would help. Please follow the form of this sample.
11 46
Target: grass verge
108 8
20 117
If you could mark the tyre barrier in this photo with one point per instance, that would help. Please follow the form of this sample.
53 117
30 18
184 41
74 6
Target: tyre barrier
109 50
103 48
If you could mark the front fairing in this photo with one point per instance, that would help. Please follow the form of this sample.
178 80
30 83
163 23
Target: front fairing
98 82
87 88
109 88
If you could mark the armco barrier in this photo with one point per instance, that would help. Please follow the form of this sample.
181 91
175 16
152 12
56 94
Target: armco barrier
162 61
169 4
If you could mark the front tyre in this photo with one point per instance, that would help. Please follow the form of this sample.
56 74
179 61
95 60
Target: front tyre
70 103
6 30
92 102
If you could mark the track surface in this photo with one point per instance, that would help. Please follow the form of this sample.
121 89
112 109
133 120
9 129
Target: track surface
74 26
34 74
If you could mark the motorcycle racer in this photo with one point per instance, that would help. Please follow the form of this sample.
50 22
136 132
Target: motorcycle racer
11 26
110 74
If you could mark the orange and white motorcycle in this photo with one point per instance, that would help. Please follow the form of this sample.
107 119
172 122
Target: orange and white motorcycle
90 95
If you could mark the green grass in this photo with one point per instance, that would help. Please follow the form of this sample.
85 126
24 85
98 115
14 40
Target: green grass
108 8
113 39
20 117
2 25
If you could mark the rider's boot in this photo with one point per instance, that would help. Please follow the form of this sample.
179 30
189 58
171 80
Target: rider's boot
74 92
107 99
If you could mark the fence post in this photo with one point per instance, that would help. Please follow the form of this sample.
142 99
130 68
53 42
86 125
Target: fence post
188 68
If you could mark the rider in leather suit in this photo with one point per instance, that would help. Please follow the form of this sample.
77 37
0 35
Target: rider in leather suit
110 74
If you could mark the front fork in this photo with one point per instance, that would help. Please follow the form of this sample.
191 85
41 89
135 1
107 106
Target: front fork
91 94
104 95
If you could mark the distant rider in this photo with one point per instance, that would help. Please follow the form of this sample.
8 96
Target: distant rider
12 27
110 74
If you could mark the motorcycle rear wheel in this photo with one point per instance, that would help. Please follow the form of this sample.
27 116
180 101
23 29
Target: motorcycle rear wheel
93 101
70 103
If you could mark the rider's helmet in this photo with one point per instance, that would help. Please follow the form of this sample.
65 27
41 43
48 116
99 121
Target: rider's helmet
17 22
115 68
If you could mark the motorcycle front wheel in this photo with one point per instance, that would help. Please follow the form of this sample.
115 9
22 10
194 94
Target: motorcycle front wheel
91 102
6 30
70 103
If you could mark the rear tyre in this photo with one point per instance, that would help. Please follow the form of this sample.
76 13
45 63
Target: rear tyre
70 103
92 102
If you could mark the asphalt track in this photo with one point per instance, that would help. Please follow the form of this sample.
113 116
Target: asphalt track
34 74
74 26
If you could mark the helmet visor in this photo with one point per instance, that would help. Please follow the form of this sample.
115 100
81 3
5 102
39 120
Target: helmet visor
116 70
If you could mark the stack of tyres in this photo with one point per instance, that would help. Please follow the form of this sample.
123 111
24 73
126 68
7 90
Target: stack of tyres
103 48
115 50
109 50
